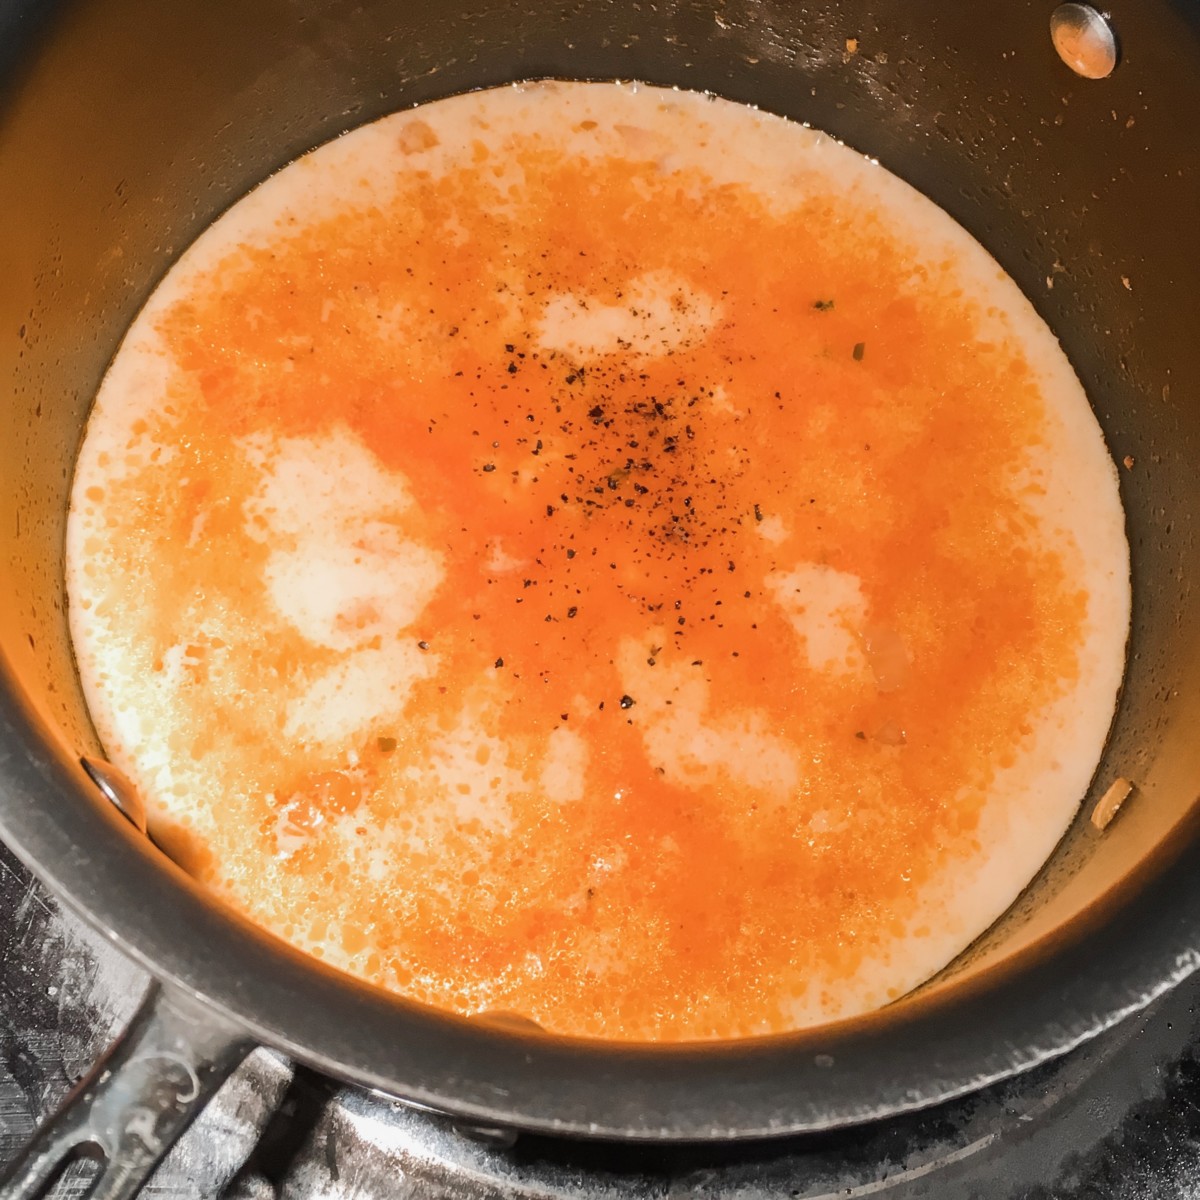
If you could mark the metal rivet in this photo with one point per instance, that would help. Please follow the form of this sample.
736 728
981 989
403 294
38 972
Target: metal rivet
512 1021
1084 40
117 790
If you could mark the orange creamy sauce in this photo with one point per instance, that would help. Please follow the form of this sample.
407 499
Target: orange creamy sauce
654 505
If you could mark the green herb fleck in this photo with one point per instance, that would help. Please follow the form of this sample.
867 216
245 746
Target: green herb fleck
859 350
823 305
386 744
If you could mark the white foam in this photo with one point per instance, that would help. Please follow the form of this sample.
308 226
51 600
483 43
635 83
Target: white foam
471 772
340 568
691 744
564 769
827 611
658 314
365 687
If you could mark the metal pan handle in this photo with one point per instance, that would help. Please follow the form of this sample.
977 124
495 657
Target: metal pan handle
127 1112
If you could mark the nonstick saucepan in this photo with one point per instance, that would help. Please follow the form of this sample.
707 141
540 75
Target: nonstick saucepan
127 126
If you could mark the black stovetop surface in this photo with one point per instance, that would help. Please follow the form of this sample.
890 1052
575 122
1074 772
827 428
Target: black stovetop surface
1118 1119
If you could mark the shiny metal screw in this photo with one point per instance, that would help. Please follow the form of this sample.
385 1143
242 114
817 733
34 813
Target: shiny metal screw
1084 40
117 790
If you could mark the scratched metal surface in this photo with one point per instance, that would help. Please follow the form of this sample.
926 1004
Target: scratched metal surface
59 1001
1118 1121
63 995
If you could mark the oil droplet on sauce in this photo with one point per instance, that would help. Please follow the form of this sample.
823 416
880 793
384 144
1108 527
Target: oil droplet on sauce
604 555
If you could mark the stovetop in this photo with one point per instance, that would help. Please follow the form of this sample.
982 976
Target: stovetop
1118 1119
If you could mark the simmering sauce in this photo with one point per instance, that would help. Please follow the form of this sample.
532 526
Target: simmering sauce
601 553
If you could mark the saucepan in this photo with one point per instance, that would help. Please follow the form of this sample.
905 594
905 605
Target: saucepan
127 126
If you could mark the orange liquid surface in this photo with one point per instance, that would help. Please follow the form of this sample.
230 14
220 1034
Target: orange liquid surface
615 531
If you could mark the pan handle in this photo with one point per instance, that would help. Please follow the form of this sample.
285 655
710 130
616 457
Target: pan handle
127 1112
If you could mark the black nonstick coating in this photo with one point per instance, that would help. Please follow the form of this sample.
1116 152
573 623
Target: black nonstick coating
126 126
